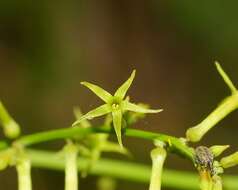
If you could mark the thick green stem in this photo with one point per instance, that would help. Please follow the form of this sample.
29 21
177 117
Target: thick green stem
71 169
158 156
126 170
24 174
175 144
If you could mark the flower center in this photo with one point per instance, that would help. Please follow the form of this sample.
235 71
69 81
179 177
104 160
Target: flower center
115 106
115 103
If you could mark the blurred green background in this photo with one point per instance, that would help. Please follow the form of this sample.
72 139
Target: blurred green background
48 47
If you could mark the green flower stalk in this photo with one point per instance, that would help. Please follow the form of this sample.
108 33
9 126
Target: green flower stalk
10 127
228 105
71 168
115 105
230 161
23 167
158 156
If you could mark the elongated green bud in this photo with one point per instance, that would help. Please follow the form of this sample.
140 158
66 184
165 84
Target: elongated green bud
218 149
10 127
158 156
229 161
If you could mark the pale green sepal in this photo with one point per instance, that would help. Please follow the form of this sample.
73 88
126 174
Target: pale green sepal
117 118
100 92
140 109
122 90
99 111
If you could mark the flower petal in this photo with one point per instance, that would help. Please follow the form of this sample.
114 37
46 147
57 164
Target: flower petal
136 108
100 92
117 117
121 91
99 111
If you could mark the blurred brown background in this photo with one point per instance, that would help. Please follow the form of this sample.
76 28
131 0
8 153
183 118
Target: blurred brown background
48 47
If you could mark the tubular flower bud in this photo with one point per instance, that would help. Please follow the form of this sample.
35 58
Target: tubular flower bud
158 156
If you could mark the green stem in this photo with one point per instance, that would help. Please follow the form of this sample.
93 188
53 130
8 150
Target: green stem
126 170
175 144
24 174
71 173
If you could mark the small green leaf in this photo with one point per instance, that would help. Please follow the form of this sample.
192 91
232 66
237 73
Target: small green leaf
122 90
101 93
225 78
230 161
117 118
99 111
136 108
218 149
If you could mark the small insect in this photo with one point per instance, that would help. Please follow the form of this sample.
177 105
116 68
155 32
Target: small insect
204 159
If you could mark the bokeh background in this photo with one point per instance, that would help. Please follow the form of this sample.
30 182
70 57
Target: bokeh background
48 47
